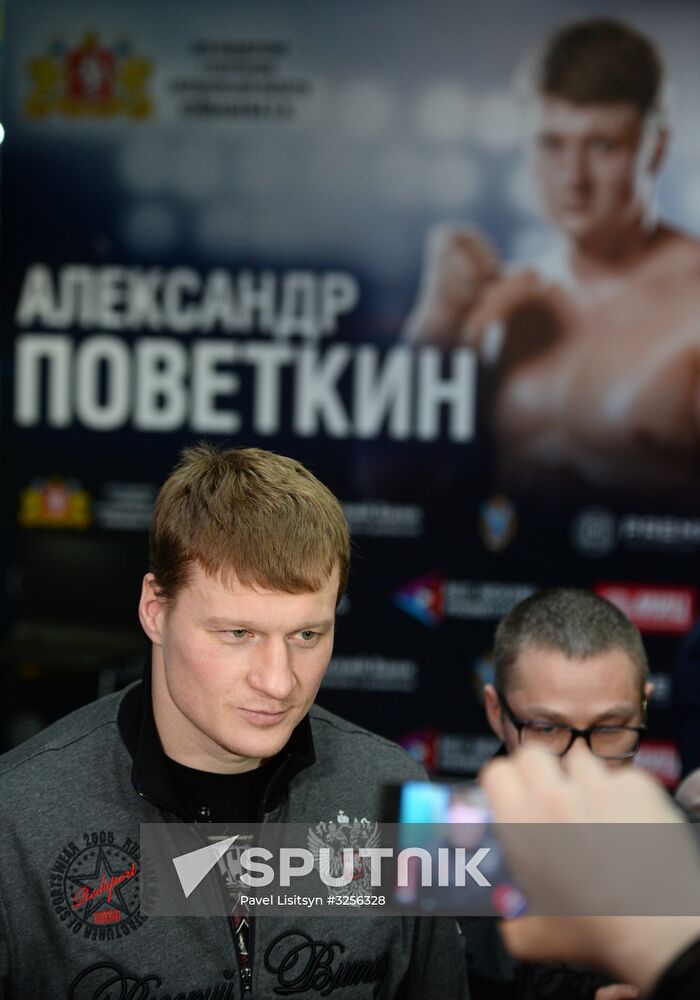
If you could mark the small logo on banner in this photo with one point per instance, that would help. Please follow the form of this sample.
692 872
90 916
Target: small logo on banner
89 80
483 600
381 519
594 532
653 532
422 745
422 599
54 503
665 609
498 523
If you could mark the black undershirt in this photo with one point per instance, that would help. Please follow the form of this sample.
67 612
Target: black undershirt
222 798
209 797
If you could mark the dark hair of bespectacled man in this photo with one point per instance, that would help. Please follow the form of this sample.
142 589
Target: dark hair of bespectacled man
569 665
574 621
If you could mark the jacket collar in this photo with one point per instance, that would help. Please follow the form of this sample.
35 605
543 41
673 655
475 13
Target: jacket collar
150 773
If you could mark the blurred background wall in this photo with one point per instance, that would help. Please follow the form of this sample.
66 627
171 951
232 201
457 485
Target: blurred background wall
213 223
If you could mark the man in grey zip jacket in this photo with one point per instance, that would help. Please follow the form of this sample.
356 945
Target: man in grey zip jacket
222 728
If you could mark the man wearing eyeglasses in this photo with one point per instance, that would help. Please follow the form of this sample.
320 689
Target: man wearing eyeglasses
569 666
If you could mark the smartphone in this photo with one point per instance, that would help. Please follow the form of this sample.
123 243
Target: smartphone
453 823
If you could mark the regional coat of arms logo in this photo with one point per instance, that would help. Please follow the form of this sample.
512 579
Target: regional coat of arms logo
89 79
337 835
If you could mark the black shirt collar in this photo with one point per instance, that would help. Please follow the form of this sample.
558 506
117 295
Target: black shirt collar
151 774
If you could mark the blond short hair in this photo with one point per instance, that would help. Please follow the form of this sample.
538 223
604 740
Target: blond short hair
250 514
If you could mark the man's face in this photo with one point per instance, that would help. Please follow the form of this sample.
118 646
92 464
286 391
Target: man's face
236 668
547 686
594 165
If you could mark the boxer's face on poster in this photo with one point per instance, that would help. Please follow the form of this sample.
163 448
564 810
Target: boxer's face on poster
594 165
242 665
546 686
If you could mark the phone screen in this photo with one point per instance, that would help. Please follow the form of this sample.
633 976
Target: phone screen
432 816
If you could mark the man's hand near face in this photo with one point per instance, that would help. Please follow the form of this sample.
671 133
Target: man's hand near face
532 786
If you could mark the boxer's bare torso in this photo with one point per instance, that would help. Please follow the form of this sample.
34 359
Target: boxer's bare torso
600 380
597 378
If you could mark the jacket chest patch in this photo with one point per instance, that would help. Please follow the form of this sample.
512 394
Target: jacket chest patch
94 886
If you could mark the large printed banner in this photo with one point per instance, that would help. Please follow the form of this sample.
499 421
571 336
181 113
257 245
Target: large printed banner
448 262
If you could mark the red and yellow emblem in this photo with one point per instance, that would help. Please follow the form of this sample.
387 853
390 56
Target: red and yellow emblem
89 80
54 503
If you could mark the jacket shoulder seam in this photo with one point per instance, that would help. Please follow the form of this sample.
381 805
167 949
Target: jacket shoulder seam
56 747
349 729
